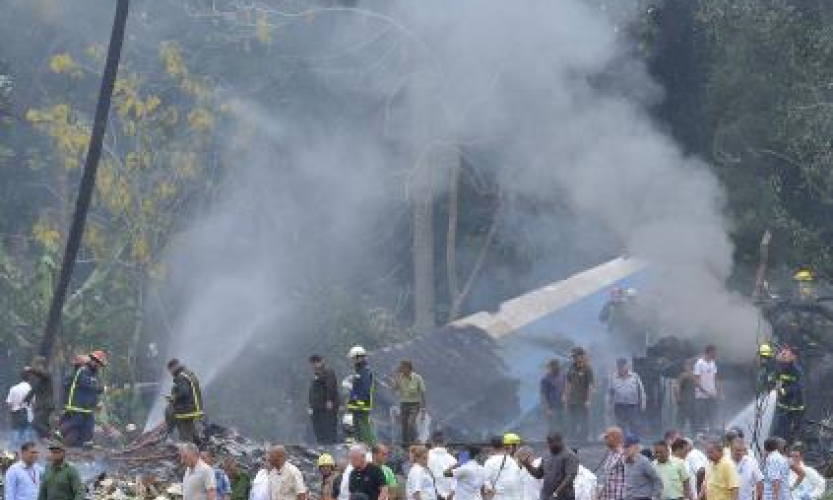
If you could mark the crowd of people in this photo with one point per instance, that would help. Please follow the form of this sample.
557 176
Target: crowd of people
673 468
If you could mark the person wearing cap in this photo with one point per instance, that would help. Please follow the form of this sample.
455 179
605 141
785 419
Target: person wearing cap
642 481
789 407
360 401
185 403
578 392
61 480
82 393
23 478
502 473
323 401
627 397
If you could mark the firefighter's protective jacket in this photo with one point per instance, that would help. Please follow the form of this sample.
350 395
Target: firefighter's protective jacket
82 390
361 394
791 387
186 396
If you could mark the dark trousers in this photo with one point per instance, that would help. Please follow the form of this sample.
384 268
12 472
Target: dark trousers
77 428
325 426
685 416
578 421
40 422
706 413
627 418
408 413
787 424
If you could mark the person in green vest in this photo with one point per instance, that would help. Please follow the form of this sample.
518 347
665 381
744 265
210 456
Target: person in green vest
61 480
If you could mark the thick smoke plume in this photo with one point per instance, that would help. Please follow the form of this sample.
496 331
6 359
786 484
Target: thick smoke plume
546 90
545 95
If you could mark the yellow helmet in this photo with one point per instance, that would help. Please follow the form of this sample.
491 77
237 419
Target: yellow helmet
804 275
765 350
511 439
325 459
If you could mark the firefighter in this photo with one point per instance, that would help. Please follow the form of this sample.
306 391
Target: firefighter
768 367
185 407
360 401
789 409
82 392
805 284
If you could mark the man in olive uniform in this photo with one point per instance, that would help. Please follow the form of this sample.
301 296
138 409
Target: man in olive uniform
60 481
578 392
185 408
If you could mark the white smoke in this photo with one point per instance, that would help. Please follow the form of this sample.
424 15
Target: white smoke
546 89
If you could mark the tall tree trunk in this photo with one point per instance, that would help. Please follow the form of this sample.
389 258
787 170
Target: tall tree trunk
451 237
458 301
423 249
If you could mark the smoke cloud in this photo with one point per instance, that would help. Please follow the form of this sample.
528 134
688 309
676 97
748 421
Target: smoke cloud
547 94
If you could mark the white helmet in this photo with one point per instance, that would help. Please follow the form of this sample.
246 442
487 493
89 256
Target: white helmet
356 351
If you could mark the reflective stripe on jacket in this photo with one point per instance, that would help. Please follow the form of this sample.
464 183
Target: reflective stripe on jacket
186 396
82 390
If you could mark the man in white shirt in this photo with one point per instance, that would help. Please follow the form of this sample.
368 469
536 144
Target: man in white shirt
285 480
813 486
199 482
749 472
503 476
439 461
707 390
469 476
19 410
530 486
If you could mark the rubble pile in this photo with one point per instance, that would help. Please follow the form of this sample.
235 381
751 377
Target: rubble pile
149 468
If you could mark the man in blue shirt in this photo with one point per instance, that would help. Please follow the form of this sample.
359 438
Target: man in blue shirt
552 395
776 472
23 478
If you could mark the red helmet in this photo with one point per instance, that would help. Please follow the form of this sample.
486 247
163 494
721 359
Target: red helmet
100 357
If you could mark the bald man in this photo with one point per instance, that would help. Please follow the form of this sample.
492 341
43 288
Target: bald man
285 480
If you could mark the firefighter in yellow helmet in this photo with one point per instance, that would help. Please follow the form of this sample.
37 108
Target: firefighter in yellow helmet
767 367
185 405
327 468
805 284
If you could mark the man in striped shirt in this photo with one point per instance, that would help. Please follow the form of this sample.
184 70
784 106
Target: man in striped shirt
612 474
